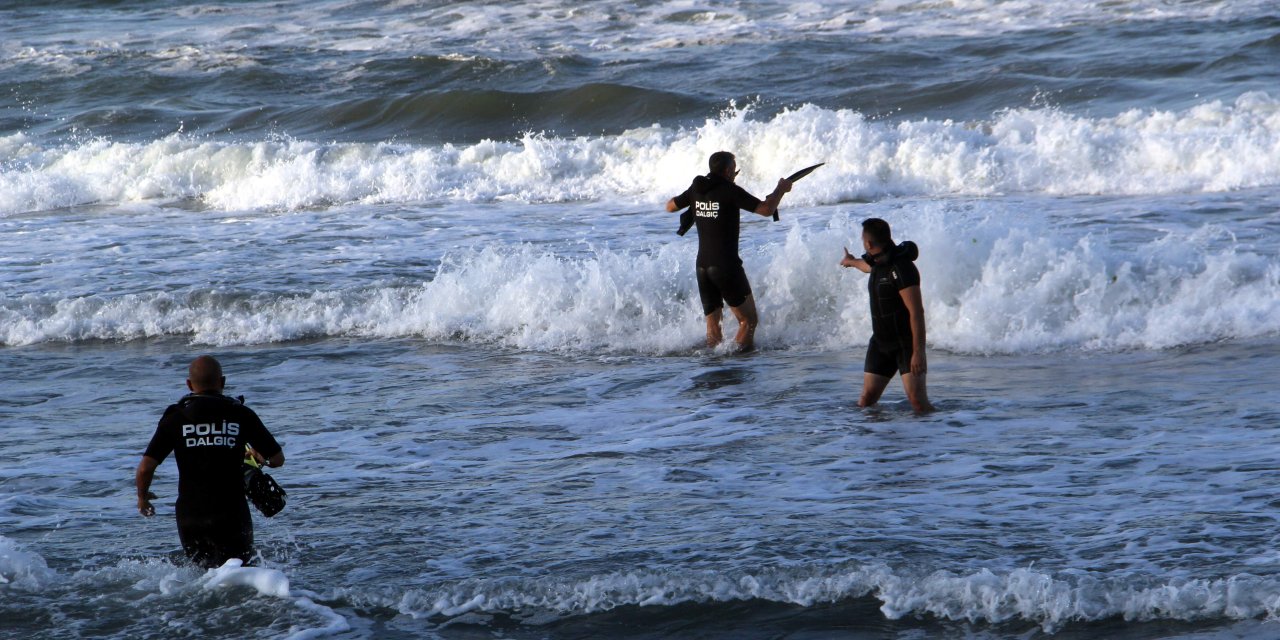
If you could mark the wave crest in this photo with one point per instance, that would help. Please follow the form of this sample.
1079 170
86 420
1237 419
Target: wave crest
1212 147
988 290
981 596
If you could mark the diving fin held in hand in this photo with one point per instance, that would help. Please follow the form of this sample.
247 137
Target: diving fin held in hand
686 216
803 172
796 176
686 221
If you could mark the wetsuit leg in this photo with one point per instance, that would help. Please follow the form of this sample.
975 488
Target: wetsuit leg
708 291
718 286
733 284
211 538
880 362
903 357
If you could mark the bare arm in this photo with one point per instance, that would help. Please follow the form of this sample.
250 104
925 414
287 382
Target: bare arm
276 461
671 206
915 309
857 263
770 204
142 481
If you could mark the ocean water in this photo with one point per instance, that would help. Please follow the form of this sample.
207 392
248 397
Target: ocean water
427 241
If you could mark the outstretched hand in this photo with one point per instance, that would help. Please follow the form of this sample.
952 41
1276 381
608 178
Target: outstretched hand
848 259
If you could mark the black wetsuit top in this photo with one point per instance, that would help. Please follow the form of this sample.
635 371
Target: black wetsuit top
893 272
207 434
716 205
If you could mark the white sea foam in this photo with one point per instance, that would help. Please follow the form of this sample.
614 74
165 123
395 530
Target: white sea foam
268 582
22 569
1212 147
982 596
989 289
272 582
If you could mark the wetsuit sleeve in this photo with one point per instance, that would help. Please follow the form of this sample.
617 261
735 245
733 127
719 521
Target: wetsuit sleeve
685 199
908 275
162 442
743 200
256 434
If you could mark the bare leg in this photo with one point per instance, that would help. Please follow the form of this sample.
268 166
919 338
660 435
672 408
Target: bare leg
747 321
916 394
714 337
872 387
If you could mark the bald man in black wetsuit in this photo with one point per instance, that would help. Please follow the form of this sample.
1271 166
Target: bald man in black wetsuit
716 203
207 433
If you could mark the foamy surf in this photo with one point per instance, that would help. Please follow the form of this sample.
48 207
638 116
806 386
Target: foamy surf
992 290
26 572
1212 147
983 596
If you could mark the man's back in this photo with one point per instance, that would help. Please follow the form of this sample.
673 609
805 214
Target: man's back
207 434
717 205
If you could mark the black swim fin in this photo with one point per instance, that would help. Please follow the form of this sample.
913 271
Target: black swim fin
686 221
796 176
262 491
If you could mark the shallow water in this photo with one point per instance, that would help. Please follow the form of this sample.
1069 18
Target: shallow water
432 483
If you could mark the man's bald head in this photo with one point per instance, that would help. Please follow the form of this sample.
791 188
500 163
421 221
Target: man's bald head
205 375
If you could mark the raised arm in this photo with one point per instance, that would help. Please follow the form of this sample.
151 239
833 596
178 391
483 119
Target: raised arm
770 204
857 263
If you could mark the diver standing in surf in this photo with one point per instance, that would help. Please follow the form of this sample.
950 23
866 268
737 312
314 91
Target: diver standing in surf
207 433
716 203
897 316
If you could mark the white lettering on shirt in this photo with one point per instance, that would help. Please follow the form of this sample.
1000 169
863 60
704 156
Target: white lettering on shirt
211 434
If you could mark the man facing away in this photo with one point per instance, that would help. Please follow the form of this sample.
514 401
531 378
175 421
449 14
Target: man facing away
716 203
897 316
207 433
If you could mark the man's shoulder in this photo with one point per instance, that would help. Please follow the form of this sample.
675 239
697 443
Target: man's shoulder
905 273
195 406
246 415
171 411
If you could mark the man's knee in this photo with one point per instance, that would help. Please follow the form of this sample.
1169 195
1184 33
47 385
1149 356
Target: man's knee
746 312
869 397
873 387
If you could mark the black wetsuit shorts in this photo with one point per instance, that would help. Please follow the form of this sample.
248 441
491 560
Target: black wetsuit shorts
210 538
716 283
885 359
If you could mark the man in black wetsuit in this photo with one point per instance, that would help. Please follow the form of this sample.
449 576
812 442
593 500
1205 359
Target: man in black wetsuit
897 316
207 433
716 203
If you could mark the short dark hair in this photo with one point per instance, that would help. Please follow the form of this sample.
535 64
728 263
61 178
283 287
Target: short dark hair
879 231
719 161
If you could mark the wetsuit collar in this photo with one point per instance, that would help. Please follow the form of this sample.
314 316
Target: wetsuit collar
716 179
884 257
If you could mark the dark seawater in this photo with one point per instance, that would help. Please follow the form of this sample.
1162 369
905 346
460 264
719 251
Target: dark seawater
440 72
426 241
